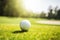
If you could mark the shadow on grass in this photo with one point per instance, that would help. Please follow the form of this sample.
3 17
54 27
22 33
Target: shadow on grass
18 31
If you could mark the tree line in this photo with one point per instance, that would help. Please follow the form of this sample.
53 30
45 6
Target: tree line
9 8
54 13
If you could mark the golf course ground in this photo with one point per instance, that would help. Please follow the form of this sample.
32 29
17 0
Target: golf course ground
10 30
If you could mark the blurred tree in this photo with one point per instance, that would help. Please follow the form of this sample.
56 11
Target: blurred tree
43 15
56 9
50 13
11 7
55 12
2 6
58 14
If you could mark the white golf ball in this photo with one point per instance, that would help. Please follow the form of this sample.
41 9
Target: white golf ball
25 25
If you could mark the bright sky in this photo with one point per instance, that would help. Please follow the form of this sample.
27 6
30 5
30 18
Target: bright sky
40 5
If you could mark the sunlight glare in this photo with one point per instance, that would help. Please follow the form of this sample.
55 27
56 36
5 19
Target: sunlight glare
32 5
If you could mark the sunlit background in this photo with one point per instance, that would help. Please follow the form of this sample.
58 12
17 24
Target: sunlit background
29 8
39 5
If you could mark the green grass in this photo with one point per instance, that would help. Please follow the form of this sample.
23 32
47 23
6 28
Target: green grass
10 30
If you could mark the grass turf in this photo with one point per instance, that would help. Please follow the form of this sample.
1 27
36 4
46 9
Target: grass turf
10 30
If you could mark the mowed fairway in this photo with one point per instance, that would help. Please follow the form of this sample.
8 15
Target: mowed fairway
10 30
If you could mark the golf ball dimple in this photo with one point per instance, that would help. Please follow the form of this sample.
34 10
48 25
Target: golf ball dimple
25 25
